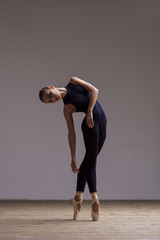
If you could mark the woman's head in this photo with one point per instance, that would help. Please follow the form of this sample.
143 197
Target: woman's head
49 94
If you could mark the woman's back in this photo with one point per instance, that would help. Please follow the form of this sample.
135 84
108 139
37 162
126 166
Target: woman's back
79 97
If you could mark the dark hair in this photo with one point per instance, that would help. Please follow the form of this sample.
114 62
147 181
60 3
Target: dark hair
41 93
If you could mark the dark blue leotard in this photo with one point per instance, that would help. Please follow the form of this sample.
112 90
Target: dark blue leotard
93 137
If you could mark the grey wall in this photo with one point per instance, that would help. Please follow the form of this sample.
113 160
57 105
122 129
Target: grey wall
113 44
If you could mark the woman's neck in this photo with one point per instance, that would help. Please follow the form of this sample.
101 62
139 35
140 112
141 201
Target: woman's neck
62 91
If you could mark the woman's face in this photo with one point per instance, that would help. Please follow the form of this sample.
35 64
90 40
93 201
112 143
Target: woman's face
51 95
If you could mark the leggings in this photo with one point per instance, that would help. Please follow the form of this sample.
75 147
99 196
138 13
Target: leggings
93 140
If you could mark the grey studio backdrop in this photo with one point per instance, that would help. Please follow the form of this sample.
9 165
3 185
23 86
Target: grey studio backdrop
112 44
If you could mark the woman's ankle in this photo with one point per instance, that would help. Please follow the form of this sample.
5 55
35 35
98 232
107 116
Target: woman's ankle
78 196
94 195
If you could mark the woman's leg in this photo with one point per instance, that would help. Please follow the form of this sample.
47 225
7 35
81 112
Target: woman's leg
93 139
87 170
95 201
102 134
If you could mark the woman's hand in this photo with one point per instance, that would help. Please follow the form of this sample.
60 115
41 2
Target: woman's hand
74 166
89 119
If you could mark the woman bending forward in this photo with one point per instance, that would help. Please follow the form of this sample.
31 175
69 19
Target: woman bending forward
81 96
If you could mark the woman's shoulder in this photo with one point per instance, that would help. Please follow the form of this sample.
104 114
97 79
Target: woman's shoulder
76 86
72 81
70 85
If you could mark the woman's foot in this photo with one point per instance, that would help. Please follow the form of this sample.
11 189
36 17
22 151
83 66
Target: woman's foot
95 207
76 203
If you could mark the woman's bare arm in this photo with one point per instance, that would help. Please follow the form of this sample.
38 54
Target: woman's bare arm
94 94
71 137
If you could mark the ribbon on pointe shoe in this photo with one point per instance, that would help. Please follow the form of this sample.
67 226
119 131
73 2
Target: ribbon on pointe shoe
76 203
95 209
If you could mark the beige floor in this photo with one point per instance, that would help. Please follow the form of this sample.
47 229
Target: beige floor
124 220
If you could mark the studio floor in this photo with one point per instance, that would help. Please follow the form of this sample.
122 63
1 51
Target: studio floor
119 220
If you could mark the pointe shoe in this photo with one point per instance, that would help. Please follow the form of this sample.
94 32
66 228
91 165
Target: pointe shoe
76 203
95 209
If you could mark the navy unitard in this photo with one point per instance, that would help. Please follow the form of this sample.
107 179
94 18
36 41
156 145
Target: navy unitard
93 137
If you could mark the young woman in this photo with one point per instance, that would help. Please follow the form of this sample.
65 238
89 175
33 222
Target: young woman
81 96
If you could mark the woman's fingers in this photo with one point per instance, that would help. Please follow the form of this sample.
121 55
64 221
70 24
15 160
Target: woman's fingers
89 120
74 167
90 123
75 170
